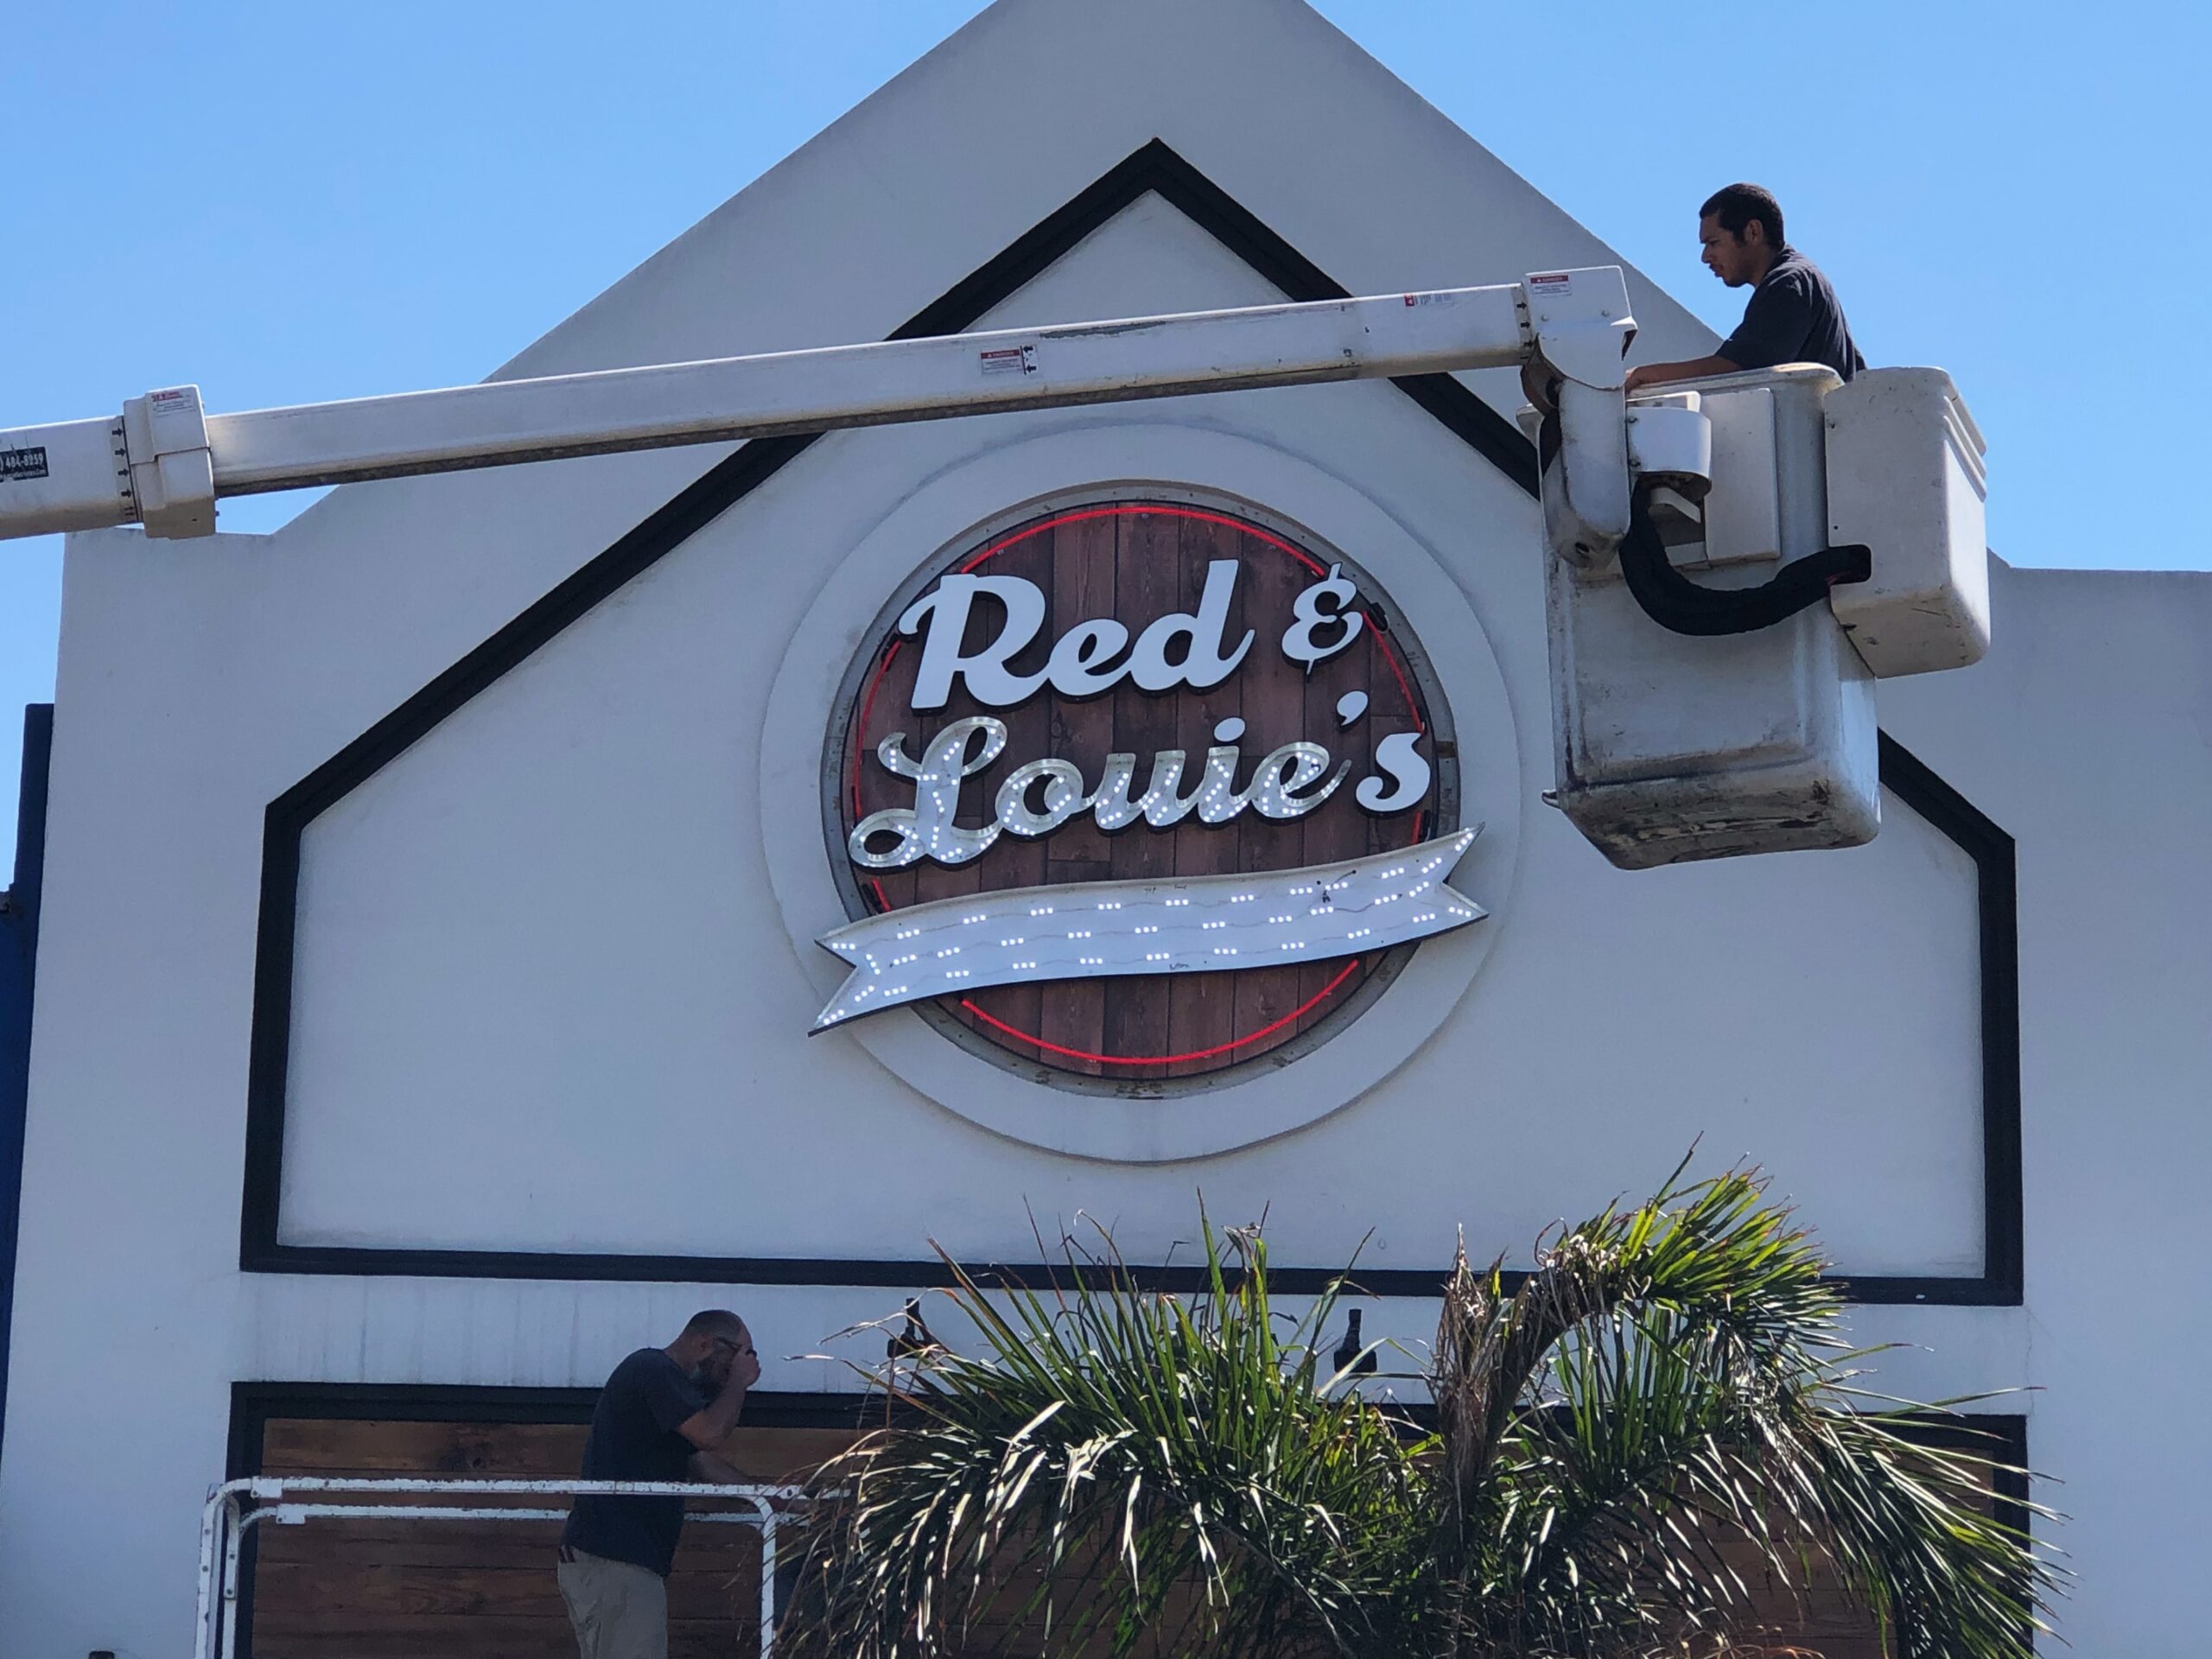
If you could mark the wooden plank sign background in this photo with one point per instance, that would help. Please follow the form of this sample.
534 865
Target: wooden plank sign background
1135 562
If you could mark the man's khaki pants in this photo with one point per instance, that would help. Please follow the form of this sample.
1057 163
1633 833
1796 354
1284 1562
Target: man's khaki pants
620 1611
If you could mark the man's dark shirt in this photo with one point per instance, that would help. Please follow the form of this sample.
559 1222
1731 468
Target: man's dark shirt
633 1438
1793 318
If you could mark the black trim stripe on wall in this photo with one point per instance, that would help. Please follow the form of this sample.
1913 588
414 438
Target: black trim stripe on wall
1997 896
19 909
1154 169
255 1405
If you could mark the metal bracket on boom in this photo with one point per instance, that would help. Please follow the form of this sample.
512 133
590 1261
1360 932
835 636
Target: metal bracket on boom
172 469
1582 327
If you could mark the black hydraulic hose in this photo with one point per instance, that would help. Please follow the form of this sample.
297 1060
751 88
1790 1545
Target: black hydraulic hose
1676 603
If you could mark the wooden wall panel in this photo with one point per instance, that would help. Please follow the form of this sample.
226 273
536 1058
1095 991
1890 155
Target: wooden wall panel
384 1589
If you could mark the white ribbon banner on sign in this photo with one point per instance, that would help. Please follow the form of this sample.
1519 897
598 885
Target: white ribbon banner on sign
1196 925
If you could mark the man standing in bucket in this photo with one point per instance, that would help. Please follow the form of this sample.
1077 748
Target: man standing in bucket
662 1415
1793 316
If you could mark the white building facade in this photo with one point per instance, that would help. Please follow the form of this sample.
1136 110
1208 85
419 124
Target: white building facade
427 896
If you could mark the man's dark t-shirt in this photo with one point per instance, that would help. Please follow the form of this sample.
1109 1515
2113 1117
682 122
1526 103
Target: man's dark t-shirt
1793 318
633 1438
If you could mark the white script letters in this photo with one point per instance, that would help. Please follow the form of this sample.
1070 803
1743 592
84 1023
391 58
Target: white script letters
1083 664
1180 649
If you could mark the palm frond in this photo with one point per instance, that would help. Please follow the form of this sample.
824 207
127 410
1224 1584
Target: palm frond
1714 1253
1633 1447
1666 1407
1113 1459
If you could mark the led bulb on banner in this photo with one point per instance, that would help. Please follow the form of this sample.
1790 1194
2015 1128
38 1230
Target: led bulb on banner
1092 934
1120 688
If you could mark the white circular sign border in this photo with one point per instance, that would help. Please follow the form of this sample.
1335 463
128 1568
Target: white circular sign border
1244 1109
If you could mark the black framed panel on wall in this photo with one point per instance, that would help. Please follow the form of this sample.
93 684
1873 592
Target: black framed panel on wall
1154 169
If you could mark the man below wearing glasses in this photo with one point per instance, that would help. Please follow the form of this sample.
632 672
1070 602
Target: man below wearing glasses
662 1415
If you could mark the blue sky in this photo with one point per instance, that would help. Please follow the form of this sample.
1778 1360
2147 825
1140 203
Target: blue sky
287 203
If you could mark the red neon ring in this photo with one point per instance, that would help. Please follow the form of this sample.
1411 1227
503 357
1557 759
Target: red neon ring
1268 1030
1123 510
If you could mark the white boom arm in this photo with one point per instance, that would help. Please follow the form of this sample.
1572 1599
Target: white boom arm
165 461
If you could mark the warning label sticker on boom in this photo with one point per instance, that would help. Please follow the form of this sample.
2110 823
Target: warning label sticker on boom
21 464
1008 359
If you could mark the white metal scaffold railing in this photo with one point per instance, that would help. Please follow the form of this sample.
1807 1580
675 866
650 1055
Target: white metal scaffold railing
234 1508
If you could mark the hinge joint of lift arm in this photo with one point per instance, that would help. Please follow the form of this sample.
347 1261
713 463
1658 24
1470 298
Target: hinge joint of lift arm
172 471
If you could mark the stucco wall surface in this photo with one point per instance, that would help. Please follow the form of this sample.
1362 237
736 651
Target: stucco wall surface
552 978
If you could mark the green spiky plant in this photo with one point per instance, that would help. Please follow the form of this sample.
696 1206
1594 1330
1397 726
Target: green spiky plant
1659 1416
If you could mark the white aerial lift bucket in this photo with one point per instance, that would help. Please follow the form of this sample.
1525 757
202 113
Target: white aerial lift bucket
1794 539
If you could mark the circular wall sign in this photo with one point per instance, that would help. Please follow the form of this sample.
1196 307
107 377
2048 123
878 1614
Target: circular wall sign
1140 790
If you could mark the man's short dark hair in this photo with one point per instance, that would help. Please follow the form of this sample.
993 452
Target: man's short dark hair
715 1322
1738 205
